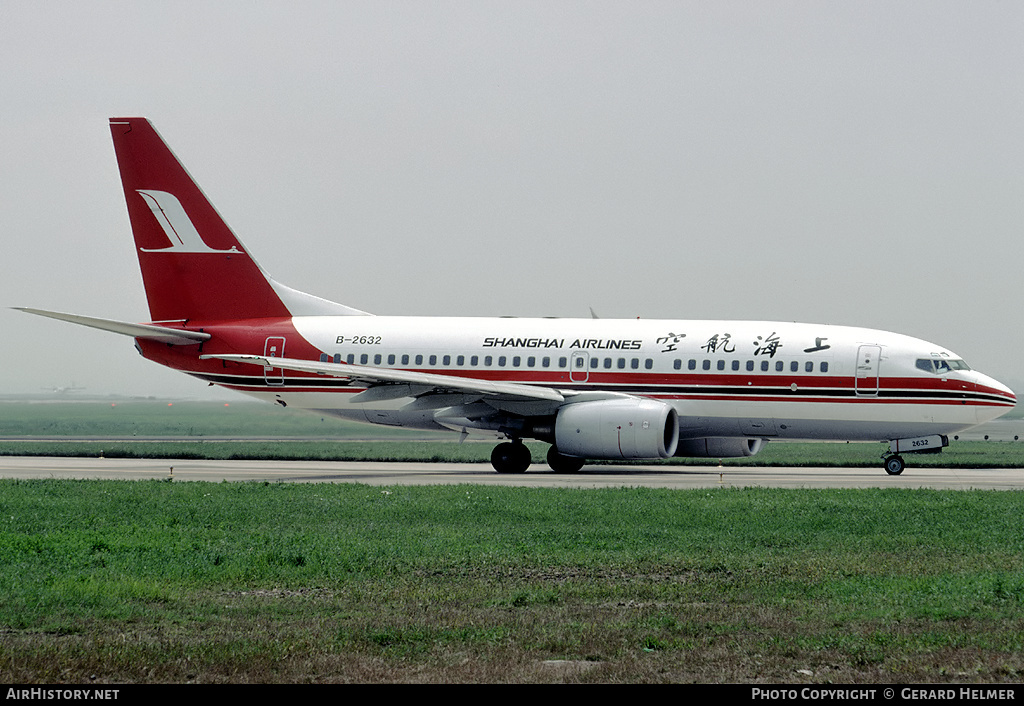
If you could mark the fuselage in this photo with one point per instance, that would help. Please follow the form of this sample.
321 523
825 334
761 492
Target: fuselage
724 378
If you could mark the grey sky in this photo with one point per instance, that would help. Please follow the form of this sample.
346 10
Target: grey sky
854 163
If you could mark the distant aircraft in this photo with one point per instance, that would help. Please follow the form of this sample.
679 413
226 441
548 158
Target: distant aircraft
64 389
592 388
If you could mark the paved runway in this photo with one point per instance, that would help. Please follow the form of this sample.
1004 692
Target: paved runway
387 474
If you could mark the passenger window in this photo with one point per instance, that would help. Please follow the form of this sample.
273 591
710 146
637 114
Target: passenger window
607 363
488 360
721 365
419 359
351 358
447 360
706 365
405 359
779 366
323 358
376 359
750 366
809 367
531 362
692 364
433 359
337 358
648 363
677 364
621 364
516 361
824 366
764 366
562 362
474 360
363 359
794 367
501 361
545 362
735 365
460 360
391 359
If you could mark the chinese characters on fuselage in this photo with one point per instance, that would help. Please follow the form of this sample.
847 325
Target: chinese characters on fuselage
720 343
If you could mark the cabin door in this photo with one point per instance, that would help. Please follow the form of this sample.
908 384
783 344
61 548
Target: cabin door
578 366
273 348
868 359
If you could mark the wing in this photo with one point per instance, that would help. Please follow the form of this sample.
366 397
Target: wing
406 383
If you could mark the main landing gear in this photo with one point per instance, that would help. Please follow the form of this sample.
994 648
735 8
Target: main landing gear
560 463
514 457
511 457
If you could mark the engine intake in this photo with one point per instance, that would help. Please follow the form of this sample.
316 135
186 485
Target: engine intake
620 428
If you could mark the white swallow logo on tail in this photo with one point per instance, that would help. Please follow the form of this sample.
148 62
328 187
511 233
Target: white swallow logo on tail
178 227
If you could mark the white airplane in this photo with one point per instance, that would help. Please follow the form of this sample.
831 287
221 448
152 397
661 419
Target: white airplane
592 388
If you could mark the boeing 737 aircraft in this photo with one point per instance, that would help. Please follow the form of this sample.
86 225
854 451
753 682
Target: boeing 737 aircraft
592 388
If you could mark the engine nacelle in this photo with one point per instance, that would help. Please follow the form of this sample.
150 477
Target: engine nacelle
619 428
719 447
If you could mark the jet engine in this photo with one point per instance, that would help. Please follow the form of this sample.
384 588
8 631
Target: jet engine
719 447
618 428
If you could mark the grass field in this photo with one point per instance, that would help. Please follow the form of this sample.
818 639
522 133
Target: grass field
160 581
161 418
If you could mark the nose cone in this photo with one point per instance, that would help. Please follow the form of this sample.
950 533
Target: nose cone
1000 398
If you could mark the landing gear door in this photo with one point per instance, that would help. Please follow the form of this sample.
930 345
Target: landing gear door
274 348
866 380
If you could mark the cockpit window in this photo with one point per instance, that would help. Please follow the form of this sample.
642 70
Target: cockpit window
940 366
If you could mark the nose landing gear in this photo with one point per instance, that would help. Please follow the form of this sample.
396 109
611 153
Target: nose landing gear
894 464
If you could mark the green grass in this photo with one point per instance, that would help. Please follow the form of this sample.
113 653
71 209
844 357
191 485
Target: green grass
145 418
162 581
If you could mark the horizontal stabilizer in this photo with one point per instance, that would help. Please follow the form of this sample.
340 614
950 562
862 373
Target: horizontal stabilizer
150 332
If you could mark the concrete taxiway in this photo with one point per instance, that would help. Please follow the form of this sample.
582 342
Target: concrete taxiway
598 476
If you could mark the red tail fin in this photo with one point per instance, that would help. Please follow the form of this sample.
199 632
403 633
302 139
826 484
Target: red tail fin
193 266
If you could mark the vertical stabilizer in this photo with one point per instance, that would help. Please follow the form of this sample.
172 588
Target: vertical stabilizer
193 266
